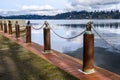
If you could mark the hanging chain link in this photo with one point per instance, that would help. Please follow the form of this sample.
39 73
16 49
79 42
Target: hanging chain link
38 28
66 37
105 40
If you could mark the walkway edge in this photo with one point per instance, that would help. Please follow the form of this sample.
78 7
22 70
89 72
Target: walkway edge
65 62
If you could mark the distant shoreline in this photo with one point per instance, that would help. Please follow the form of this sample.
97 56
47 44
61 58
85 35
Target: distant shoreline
69 15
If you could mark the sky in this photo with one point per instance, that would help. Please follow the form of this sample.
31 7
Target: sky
53 7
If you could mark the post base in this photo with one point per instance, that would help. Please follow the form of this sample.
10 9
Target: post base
88 32
89 71
47 51
28 43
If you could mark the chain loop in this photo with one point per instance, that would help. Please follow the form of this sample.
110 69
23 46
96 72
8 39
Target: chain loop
67 37
38 28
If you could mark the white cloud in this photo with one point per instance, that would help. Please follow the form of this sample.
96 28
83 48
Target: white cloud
47 12
41 10
94 4
35 7
25 12
76 5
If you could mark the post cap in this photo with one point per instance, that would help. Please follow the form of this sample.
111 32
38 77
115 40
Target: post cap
28 23
16 23
9 22
46 23
88 28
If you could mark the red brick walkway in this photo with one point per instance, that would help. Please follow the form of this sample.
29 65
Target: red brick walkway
65 62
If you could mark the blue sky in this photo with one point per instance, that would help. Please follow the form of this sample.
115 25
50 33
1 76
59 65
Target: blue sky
52 7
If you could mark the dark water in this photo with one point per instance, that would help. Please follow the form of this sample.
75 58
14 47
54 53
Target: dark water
105 56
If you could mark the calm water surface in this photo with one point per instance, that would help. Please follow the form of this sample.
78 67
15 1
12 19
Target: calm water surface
108 29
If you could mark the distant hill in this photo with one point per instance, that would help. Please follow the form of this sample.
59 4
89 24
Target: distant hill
72 15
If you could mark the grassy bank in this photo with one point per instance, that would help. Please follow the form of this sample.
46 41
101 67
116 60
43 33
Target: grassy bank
16 63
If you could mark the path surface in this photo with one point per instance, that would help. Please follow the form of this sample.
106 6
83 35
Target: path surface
66 63
17 63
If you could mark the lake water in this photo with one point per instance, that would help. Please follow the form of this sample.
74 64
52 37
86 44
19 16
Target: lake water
105 56
108 29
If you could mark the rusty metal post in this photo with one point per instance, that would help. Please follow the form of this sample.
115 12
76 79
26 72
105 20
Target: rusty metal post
5 27
1 26
10 27
28 32
88 48
17 29
47 43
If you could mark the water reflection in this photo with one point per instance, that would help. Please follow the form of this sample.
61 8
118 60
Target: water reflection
73 25
96 25
71 29
108 25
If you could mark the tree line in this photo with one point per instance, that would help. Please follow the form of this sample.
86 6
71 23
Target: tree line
113 14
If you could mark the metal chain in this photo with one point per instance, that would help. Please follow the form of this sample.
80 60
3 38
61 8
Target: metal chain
105 40
38 28
67 37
